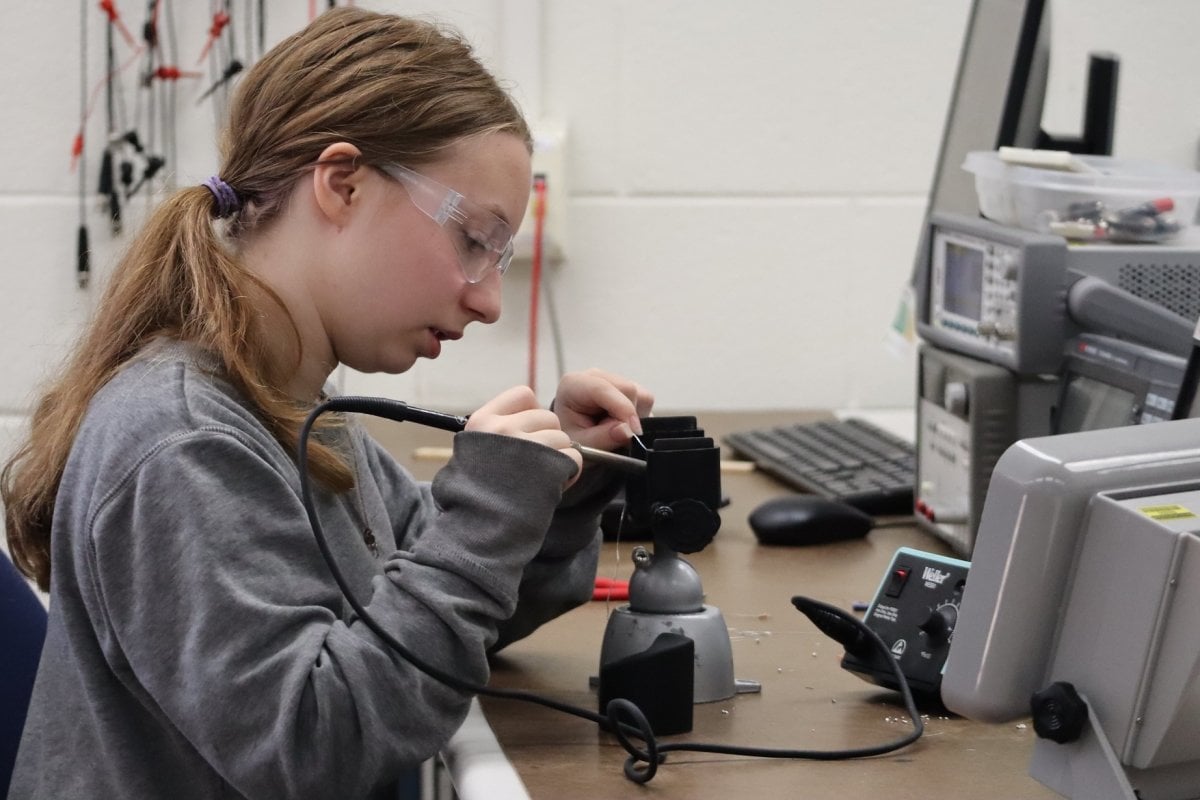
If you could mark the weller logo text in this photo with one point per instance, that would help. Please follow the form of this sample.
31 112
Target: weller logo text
934 575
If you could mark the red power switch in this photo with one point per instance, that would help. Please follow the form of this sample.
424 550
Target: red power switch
896 581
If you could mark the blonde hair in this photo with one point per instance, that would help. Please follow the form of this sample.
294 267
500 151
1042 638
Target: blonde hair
400 90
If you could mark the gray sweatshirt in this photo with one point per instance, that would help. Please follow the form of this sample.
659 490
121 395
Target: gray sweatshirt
198 646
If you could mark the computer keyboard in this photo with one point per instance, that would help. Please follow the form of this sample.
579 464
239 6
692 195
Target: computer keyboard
850 460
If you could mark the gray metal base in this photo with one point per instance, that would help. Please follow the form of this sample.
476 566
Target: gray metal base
630 632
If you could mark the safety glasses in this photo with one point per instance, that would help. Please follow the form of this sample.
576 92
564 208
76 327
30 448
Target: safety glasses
484 241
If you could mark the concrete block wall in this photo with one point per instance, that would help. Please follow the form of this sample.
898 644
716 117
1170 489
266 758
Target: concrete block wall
745 181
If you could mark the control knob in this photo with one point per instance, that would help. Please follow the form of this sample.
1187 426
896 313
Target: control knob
939 625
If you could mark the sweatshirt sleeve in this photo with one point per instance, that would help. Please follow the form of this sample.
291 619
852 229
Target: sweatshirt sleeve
561 576
216 607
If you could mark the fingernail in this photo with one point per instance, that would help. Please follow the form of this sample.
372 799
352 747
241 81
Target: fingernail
635 425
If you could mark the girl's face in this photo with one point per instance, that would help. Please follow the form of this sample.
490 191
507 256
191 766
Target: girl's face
395 289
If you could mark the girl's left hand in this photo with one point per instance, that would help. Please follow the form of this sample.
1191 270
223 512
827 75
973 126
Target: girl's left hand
599 409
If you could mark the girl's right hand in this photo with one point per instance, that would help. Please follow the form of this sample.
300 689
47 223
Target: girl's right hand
516 412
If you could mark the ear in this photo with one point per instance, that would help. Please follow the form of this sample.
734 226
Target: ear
336 180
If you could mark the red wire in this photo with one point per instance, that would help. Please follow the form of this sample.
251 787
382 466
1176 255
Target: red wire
535 275
220 20
114 17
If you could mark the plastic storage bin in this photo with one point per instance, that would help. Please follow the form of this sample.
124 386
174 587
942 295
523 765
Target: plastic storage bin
1107 199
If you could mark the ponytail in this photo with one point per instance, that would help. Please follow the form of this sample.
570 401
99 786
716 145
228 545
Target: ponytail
176 280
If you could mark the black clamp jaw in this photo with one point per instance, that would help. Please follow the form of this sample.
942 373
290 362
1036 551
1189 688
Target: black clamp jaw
675 500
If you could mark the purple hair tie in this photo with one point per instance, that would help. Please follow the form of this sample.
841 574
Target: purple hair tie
226 198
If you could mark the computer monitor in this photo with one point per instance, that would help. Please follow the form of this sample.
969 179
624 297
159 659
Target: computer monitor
1086 570
998 93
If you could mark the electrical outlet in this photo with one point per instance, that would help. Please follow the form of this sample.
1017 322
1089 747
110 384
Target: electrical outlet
549 161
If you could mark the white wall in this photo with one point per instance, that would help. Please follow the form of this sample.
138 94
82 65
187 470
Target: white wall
745 179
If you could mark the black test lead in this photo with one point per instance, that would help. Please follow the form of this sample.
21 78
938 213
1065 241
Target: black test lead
108 175
233 68
83 265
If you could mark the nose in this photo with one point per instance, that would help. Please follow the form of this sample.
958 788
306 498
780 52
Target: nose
483 299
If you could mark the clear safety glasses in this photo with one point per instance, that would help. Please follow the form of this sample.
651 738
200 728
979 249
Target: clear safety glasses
484 241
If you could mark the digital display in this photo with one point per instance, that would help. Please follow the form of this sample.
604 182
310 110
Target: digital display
963 294
1089 405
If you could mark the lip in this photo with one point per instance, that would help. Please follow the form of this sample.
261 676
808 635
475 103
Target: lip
433 345
436 337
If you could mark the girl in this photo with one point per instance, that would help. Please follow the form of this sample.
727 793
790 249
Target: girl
372 176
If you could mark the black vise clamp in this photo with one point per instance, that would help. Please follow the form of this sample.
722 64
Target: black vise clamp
675 501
